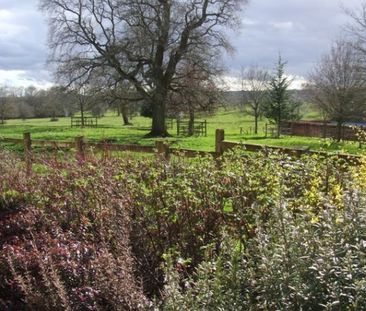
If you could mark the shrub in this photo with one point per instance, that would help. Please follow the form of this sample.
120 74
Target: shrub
308 258
259 232
176 207
64 242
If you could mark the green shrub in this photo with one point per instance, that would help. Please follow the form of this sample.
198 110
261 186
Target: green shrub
259 232
308 258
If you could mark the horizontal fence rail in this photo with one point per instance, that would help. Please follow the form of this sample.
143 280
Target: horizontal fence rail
84 122
198 128
163 150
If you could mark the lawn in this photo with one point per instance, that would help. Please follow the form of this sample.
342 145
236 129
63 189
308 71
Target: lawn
237 126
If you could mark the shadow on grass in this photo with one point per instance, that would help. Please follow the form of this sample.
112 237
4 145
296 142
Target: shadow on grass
16 129
241 137
141 128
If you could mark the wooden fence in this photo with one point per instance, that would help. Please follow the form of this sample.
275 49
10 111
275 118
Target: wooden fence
84 122
199 128
162 149
222 146
169 124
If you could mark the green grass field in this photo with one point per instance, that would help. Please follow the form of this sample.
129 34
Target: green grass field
110 127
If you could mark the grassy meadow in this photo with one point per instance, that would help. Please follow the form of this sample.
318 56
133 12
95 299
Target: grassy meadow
238 126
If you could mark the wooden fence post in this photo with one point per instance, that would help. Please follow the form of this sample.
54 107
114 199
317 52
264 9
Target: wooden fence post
220 137
79 145
28 152
163 150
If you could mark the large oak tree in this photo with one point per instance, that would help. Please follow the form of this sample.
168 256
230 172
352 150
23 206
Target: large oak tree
144 41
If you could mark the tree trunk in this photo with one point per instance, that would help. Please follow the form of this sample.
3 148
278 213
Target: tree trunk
124 111
191 122
256 116
339 131
278 128
82 113
279 121
158 128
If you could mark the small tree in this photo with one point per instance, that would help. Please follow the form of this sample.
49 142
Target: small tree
3 104
83 95
110 91
194 91
122 96
254 85
337 85
279 105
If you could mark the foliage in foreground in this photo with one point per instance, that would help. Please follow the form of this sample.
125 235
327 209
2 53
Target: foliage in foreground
65 241
290 264
245 233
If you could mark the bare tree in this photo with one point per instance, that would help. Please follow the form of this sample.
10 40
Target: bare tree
194 90
121 95
118 95
337 85
30 98
60 101
357 29
83 94
114 92
3 103
143 41
254 85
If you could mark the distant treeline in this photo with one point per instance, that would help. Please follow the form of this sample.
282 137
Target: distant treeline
36 103
30 102
54 102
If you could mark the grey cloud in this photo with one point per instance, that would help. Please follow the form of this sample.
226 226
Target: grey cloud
301 30
22 36
18 4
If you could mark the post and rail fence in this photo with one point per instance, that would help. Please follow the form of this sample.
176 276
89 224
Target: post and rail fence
161 148
199 128
84 122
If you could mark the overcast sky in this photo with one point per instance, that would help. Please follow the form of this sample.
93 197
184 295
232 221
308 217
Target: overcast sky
301 30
